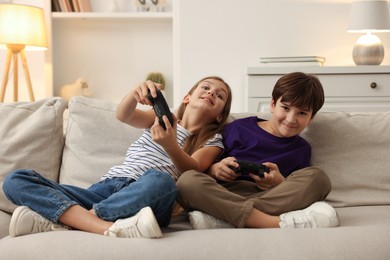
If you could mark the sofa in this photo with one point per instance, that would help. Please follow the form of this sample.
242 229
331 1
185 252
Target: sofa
76 142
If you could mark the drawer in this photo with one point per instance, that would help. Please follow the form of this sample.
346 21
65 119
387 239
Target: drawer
259 104
261 86
335 85
346 104
356 85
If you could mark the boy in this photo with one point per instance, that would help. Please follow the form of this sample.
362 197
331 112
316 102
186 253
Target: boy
222 198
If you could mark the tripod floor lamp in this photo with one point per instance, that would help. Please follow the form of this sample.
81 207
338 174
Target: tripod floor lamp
22 28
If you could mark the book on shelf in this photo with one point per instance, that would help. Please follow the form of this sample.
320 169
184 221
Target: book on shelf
75 5
55 6
65 6
71 6
62 5
294 61
84 5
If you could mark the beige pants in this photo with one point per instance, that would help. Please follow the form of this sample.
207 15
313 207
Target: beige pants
233 202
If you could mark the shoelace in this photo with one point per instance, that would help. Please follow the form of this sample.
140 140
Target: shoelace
129 232
303 222
41 224
216 222
124 229
56 227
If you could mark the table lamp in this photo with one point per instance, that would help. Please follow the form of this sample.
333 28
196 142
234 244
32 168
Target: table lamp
22 28
369 17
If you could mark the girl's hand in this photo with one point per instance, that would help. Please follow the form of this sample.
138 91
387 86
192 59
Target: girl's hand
127 111
166 138
222 171
141 91
271 178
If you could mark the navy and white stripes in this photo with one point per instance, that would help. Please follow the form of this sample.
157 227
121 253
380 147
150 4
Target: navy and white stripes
144 154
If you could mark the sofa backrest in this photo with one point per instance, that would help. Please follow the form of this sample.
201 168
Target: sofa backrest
351 147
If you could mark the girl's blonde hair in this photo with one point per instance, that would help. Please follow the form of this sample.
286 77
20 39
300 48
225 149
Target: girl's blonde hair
200 137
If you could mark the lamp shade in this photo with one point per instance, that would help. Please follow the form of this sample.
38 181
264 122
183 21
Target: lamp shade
369 16
22 25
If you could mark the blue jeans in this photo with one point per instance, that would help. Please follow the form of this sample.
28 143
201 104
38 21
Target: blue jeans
111 199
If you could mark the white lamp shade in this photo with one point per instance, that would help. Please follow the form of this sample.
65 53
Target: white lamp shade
22 25
369 16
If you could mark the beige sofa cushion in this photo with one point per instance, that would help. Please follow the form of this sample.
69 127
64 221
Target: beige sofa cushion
351 147
354 149
95 141
364 234
31 137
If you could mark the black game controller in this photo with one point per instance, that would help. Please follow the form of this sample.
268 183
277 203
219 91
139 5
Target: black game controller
161 108
247 167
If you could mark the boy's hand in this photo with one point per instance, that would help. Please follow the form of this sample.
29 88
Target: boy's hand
271 178
222 171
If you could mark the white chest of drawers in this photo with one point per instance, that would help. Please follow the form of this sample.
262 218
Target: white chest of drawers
349 89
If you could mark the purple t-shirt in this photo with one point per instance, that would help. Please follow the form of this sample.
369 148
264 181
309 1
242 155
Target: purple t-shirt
245 140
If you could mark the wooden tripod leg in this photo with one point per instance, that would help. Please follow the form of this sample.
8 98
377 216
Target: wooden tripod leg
27 74
16 76
5 75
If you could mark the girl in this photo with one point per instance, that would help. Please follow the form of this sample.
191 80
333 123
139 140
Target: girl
136 198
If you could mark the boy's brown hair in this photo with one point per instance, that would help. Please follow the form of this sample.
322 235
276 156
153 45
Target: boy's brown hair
301 90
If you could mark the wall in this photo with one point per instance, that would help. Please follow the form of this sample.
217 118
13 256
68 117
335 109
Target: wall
224 37
36 65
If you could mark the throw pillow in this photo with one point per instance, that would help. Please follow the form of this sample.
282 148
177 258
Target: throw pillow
95 141
31 137
353 148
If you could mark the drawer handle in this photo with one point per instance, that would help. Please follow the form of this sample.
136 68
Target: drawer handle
373 85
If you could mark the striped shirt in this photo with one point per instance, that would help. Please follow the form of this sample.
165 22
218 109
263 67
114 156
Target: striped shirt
145 154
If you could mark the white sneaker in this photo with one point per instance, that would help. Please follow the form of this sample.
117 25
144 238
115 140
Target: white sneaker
200 220
25 221
142 225
318 215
